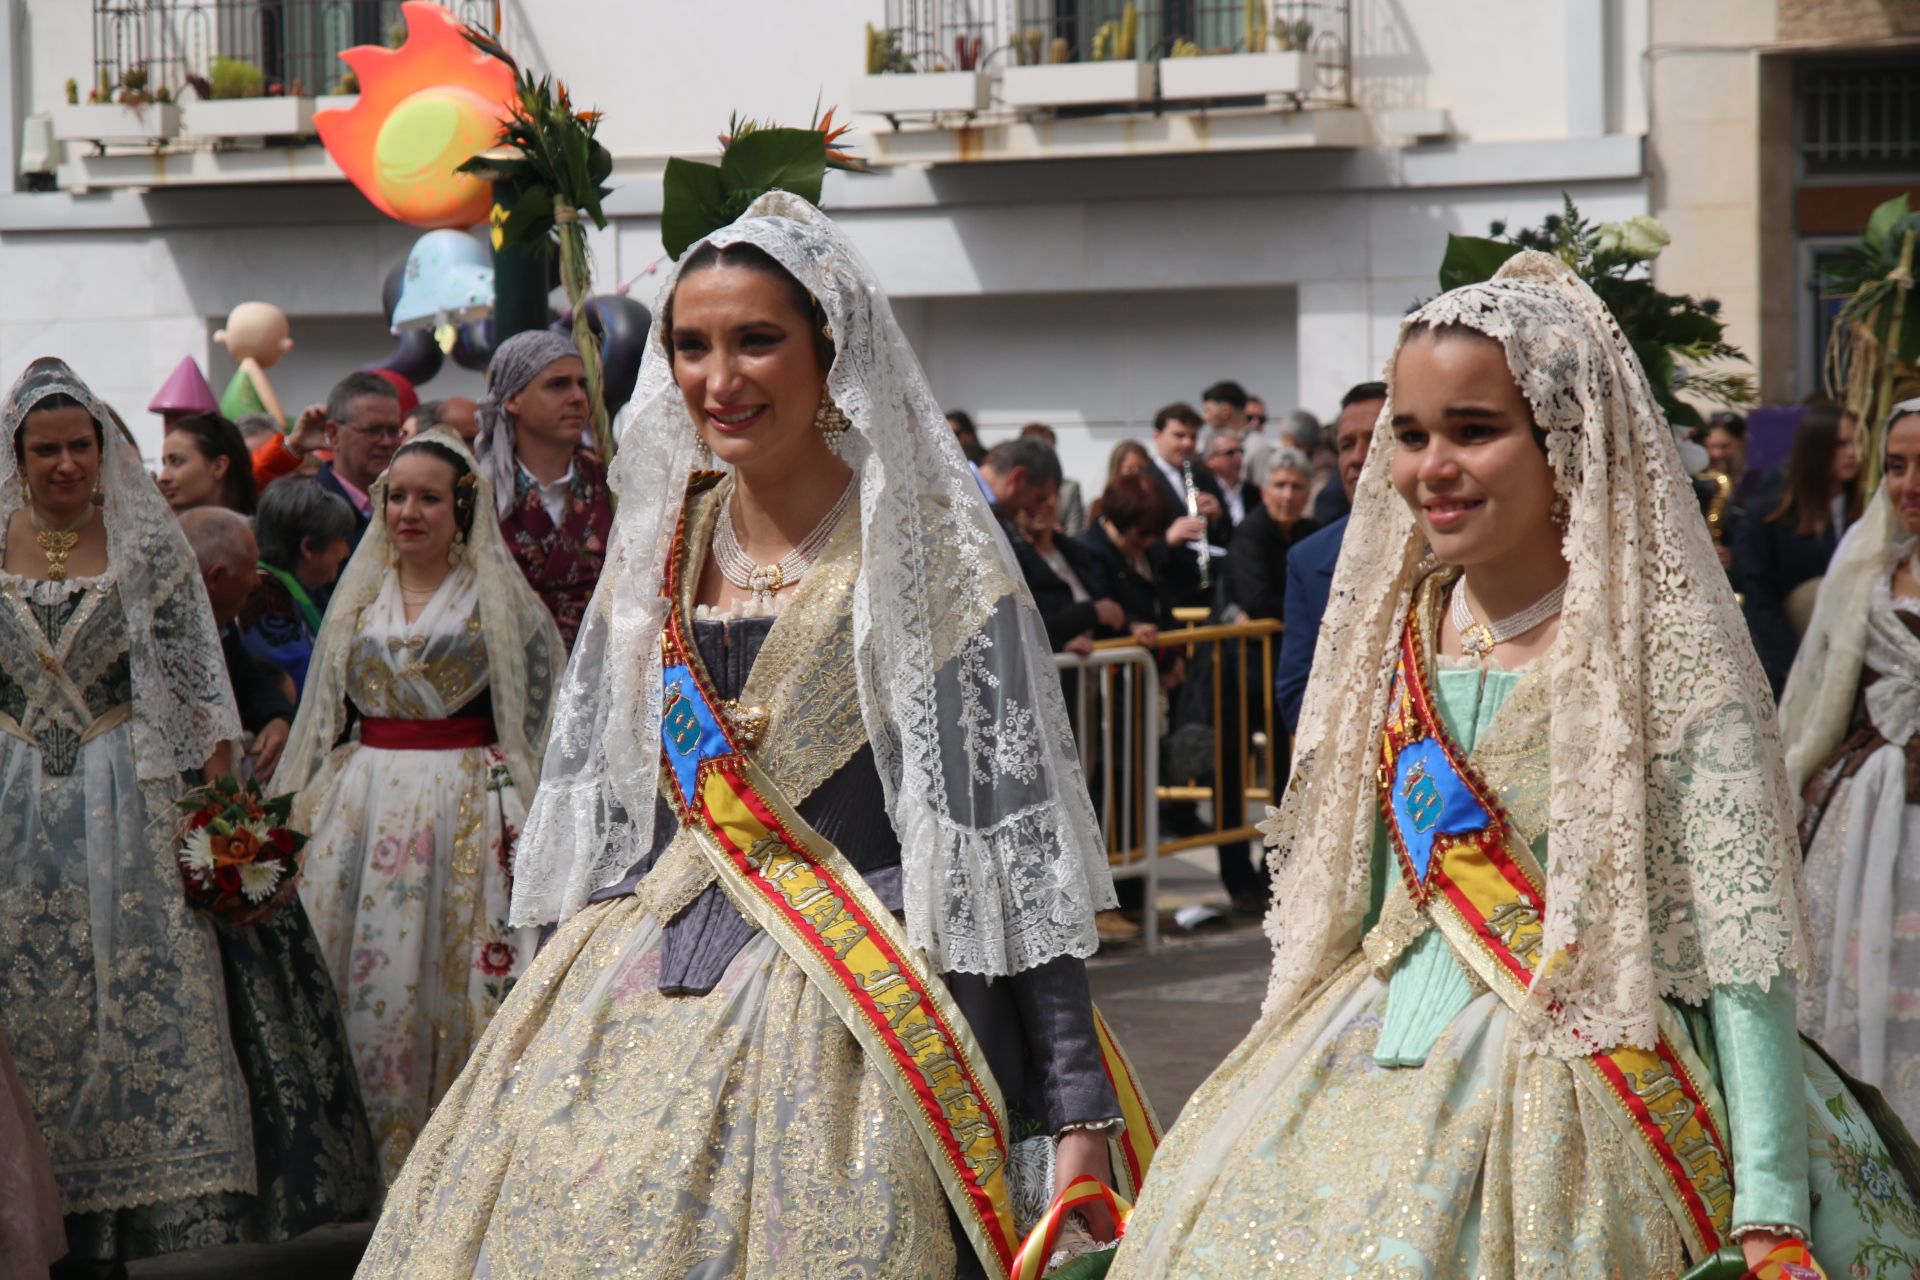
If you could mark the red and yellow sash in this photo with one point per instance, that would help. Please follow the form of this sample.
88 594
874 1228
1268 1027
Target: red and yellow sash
1480 884
793 883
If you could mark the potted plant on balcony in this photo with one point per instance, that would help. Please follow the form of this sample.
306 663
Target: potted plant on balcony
234 101
895 86
1115 73
1269 60
130 113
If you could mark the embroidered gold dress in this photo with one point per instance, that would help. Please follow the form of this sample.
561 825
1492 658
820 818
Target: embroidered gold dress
407 872
667 1095
1389 1126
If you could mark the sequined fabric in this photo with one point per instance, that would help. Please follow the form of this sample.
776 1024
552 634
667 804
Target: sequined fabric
605 1128
1302 1155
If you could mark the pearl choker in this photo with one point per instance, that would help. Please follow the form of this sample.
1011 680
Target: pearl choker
1477 639
767 580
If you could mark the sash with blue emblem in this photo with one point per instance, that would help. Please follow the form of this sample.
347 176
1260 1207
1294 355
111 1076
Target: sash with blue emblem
1478 881
792 882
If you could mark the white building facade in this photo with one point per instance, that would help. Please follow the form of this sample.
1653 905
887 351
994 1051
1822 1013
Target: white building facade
1054 260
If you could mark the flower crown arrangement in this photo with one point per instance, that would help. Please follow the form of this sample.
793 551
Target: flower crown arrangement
1674 335
239 860
755 158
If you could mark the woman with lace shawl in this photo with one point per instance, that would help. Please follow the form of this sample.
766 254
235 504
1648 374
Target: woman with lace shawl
1851 720
416 746
1532 683
835 634
112 685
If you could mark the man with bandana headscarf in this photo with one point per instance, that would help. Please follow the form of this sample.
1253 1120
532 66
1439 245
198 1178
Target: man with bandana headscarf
554 506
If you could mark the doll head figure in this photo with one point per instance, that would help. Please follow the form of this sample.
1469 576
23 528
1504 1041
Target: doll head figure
256 331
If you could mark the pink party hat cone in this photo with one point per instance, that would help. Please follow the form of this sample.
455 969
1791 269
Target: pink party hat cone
185 392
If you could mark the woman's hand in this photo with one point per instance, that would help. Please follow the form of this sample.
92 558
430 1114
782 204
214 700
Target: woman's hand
1756 1245
1080 1153
220 763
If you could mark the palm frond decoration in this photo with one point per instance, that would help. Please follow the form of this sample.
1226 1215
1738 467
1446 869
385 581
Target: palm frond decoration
558 169
1873 355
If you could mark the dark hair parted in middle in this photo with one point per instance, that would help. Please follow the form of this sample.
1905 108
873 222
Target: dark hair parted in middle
465 484
1806 499
753 258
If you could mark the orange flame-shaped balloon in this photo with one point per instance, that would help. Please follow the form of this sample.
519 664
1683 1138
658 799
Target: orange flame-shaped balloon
424 108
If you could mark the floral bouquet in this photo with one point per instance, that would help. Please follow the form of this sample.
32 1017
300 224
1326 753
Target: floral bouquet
238 856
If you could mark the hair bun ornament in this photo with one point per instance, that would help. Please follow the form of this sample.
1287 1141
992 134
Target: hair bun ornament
699 199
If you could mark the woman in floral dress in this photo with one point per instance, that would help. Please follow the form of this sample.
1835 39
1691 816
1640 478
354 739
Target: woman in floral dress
416 746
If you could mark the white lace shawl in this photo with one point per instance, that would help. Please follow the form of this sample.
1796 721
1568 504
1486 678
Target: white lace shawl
1673 863
1003 861
1818 700
524 651
183 704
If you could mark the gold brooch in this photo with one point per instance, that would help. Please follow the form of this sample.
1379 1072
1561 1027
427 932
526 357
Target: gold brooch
749 723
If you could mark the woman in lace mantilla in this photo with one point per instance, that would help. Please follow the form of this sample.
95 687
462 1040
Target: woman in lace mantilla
1402 1108
112 685
417 740
1851 716
667 1092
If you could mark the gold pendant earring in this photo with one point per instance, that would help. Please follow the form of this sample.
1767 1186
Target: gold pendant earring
831 420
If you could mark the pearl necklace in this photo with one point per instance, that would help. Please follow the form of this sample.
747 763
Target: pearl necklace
767 580
1477 639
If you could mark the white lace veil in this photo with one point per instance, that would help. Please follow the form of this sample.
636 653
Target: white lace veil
524 651
1673 860
1003 863
182 700
1817 703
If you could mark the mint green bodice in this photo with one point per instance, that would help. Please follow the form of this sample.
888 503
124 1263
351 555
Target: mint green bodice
1755 1048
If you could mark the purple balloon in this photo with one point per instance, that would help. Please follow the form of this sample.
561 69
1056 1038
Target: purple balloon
415 357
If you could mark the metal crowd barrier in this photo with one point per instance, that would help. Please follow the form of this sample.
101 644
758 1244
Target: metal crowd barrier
1120 718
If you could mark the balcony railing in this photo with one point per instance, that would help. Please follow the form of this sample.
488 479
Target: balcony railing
295 44
1056 31
1092 57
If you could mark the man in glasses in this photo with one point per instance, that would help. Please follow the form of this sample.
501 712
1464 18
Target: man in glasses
1226 454
363 430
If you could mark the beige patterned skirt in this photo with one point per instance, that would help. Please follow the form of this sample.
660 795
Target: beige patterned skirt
1302 1156
604 1129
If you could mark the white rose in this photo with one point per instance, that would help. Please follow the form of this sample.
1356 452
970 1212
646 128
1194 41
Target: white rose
1640 238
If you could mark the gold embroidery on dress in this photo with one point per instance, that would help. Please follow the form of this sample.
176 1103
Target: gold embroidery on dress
605 1128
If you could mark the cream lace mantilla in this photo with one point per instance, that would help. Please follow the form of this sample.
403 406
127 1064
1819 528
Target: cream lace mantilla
1673 864
1003 865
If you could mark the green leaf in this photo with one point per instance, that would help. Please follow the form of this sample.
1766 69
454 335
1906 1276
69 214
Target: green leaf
530 217
1471 260
573 146
1880 225
691 204
765 160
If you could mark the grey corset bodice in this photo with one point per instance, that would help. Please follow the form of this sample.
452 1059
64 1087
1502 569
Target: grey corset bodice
1036 1028
849 809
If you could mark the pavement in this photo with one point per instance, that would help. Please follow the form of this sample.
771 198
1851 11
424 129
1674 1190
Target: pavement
1177 1013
